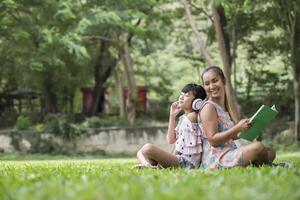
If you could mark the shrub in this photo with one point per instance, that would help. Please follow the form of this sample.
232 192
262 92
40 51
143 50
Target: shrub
23 123
60 125
8 118
104 121
92 122
39 127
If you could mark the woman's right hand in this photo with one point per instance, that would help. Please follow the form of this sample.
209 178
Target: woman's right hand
243 125
175 109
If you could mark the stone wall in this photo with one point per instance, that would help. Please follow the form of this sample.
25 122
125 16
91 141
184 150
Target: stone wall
5 143
126 140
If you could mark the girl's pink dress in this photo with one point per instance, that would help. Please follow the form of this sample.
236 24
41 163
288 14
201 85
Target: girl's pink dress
188 143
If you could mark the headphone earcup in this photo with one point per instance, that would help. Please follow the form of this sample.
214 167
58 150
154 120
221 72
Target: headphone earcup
197 104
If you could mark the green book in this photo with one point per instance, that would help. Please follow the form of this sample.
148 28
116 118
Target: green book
260 120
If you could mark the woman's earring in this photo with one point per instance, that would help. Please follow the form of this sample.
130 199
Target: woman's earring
197 104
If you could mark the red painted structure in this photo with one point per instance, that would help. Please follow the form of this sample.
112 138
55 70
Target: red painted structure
87 97
141 95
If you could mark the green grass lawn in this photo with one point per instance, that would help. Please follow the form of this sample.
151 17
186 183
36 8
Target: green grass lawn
115 179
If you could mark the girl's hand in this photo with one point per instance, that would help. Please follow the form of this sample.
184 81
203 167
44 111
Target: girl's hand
243 125
175 109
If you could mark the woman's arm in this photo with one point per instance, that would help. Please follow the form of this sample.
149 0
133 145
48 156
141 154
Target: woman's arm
236 138
209 118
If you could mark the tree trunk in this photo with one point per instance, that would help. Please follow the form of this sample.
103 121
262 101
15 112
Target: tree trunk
50 99
200 41
234 48
295 52
224 47
103 68
131 92
71 102
297 106
120 87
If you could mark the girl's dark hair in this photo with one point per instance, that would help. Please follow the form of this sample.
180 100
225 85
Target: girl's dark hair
197 90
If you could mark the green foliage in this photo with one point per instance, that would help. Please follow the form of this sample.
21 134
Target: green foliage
157 115
92 122
277 90
8 118
61 126
53 46
40 39
23 123
39 127
115 179
104 121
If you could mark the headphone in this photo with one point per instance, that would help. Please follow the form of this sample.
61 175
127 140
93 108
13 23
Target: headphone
197 104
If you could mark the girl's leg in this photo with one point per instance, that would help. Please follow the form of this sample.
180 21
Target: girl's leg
143 160
151 155
257 153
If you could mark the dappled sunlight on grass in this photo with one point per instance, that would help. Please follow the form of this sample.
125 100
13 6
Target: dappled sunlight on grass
288 155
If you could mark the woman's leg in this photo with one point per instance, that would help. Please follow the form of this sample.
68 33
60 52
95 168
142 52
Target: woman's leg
151 155
257 153
271 154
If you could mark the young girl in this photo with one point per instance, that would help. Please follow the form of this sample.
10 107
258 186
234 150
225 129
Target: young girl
186 135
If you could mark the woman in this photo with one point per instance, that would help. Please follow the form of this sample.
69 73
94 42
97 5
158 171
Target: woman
220 130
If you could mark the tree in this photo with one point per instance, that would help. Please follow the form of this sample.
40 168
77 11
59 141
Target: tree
221 31
200 39
117 25
283 19
43 42
105 64
289 16
131 88
224 47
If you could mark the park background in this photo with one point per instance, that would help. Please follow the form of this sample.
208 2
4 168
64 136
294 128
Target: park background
82 78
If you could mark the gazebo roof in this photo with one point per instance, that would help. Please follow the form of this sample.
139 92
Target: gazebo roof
20 94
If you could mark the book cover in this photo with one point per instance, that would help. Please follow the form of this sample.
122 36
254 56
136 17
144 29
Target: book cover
260 120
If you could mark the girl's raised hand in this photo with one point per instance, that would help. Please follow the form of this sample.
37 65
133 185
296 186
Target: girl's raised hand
175 109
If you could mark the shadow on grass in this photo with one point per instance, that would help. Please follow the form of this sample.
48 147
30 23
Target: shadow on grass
81 156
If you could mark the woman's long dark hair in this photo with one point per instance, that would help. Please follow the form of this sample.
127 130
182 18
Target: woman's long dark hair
220 72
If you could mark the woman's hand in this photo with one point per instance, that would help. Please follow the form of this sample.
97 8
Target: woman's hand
175 109
243 125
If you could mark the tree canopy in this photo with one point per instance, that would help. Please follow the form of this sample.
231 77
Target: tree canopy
58 47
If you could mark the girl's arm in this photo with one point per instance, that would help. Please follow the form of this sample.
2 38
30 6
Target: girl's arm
209 118
174 110
171 136
192 117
